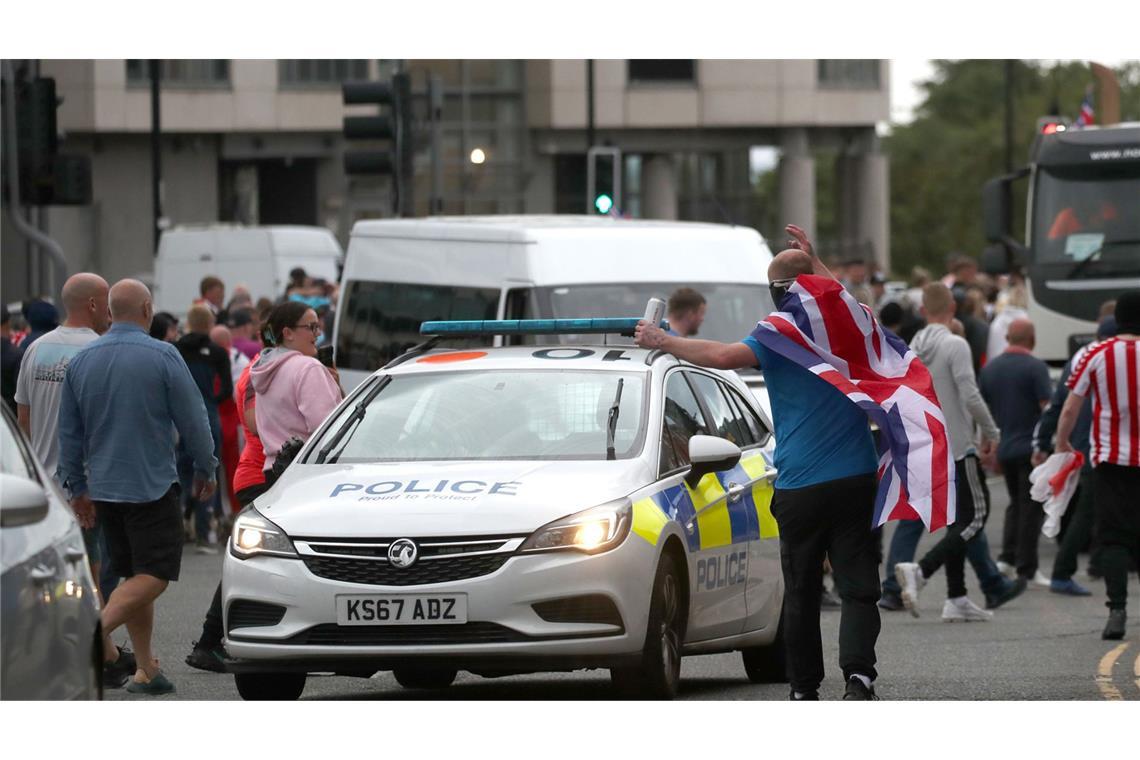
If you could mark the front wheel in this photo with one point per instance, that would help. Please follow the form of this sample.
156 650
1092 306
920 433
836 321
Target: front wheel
767 664
424 678
257 687
659 674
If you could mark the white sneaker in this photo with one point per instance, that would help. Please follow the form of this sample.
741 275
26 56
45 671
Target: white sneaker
205 549
1040 580
1006 569
909 576
965 610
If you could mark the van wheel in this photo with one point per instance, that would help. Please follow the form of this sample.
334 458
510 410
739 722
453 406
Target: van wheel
424 678
659 674
767 664
258 687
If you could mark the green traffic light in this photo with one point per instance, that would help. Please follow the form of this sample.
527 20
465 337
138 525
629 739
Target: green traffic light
603 203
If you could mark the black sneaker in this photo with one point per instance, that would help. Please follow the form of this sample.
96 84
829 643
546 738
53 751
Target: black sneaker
891 602
1114 629
116 673
811 696
206 658
857 691
1011 590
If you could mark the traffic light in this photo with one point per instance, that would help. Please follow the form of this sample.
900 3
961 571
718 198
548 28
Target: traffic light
394 127
603 180
46 177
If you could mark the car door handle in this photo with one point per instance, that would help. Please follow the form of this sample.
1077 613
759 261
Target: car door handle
42 574
735 491
770 475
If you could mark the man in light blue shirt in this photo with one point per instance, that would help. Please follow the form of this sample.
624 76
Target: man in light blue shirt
124 396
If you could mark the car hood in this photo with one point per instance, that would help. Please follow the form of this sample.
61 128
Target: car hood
389 500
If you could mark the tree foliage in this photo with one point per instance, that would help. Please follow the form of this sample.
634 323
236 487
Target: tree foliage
956 142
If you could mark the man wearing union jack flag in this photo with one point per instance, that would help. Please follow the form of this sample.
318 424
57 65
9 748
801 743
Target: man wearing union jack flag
832 486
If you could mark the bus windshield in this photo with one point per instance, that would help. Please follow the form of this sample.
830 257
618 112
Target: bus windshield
1089 223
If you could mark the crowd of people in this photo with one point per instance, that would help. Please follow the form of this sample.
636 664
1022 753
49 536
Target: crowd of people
141 417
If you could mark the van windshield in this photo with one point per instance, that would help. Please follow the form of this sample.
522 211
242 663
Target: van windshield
733 309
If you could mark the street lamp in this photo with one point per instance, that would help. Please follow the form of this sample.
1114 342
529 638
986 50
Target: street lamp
478 156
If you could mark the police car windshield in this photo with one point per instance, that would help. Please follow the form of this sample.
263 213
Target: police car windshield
732 312
494 415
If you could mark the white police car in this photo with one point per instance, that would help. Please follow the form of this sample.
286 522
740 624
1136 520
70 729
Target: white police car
512 510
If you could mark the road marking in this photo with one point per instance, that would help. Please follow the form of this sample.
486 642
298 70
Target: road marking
1104 673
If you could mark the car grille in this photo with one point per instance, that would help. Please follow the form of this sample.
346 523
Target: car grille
378 573
331 634
589 608
245 613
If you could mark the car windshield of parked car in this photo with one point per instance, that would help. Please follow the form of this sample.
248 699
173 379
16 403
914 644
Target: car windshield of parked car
492 415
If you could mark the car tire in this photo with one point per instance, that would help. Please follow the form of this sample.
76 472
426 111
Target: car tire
659 674
258 687
424 678
767 664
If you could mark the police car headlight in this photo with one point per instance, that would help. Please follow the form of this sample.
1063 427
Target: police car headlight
593 531
253 534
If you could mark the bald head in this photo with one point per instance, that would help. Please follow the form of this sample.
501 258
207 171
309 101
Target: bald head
790 263
1021 333
85 301
221 335
131 302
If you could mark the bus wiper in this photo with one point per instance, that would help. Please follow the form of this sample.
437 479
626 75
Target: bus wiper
353 419
1095 255
611 421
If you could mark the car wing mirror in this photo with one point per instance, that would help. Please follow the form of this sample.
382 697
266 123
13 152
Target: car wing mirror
710 454
22 502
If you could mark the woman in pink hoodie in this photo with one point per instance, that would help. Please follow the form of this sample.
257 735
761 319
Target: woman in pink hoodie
295 392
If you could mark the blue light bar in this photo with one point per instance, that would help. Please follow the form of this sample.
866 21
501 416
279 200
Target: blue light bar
477 327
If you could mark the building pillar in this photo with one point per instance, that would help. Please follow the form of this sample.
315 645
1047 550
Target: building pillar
797 181
658 187
872 182
846 194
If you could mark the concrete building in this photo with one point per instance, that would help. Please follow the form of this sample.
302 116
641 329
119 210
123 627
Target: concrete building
259 141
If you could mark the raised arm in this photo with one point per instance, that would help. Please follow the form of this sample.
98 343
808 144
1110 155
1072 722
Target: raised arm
800 241
705 353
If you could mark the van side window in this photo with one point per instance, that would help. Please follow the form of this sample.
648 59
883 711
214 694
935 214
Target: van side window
683 420
521 303
381 320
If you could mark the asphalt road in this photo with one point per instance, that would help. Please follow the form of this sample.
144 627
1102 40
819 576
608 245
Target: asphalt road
1041 646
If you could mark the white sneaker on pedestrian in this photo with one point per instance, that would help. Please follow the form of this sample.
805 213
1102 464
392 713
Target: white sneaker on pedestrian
962 609
1039 579
1006 569
205 549
911 581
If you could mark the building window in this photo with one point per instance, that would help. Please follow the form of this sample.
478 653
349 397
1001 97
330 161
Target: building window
858 74
662 71
181 73
307 72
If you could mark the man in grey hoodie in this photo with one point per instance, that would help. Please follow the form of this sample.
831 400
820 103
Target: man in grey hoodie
947 356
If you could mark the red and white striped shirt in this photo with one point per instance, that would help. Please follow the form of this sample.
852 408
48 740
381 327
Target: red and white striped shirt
1110 370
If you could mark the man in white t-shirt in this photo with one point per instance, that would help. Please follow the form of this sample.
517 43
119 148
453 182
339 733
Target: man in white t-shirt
44 367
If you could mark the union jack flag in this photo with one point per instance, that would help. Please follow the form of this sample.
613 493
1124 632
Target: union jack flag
1087 115
821 327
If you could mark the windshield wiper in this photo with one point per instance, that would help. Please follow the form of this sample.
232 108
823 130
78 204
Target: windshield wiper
1095 255
611 421
353 419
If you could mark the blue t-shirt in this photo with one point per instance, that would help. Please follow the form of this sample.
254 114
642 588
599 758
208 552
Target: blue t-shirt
820 434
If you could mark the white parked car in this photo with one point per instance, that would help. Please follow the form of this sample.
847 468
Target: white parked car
49 625
515 509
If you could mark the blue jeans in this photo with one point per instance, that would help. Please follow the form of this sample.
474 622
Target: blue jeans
904 544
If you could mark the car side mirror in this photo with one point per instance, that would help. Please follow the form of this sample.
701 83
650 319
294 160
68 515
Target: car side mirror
710 454
22 502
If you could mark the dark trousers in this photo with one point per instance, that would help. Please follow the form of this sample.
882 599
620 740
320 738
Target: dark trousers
1023 519
1078 532
830 519
1116 490
969 519
212 630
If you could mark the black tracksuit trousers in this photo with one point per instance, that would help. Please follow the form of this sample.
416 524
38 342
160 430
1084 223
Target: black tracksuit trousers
831 519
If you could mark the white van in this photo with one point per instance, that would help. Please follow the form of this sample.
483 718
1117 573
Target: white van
257 257
401 272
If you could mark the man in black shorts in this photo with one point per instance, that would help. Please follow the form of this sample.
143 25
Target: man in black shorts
121 397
